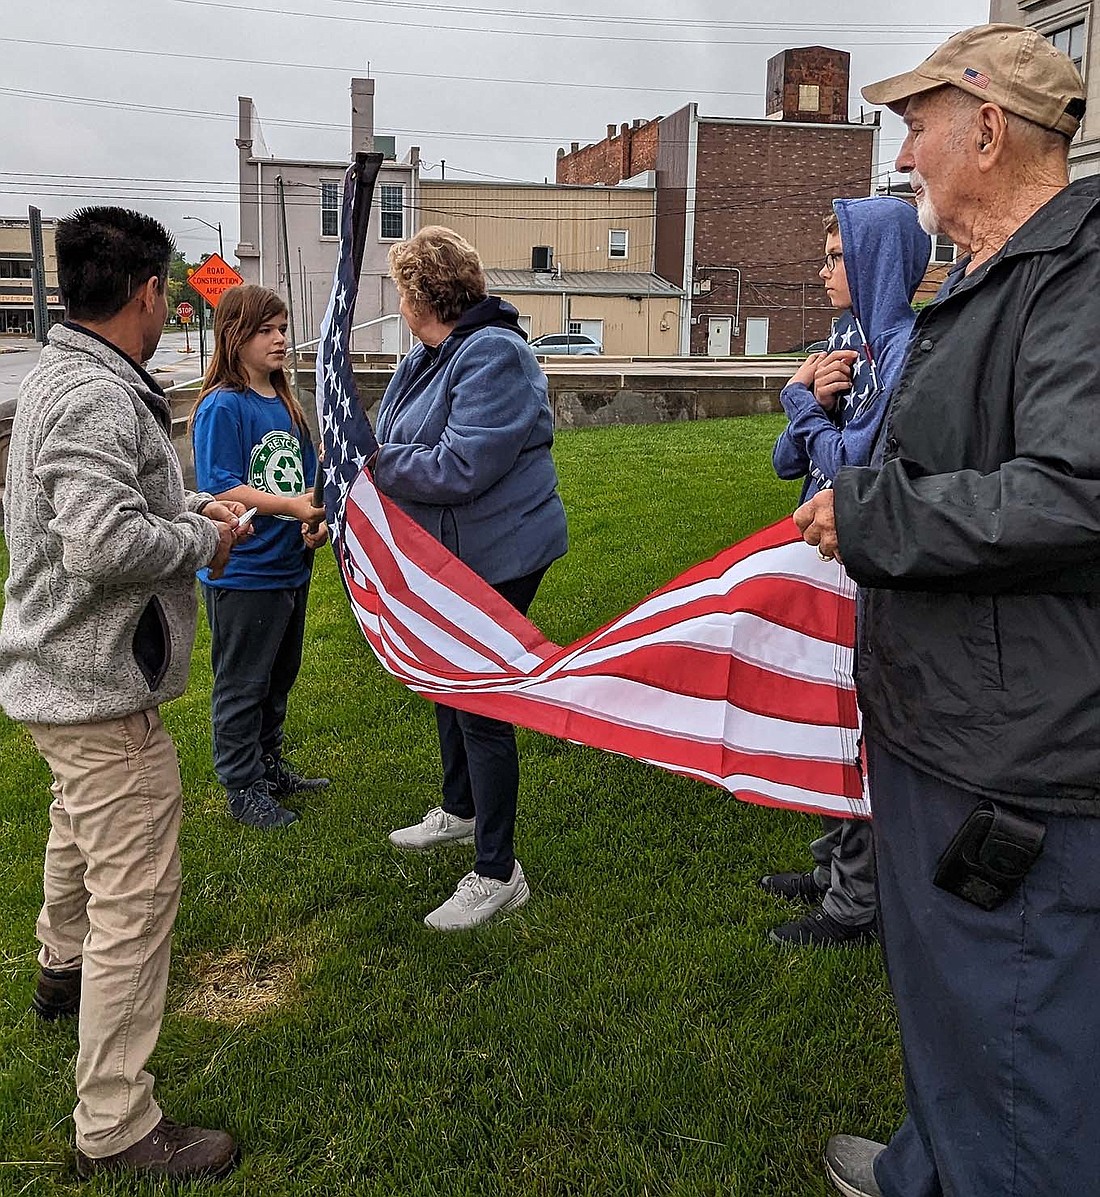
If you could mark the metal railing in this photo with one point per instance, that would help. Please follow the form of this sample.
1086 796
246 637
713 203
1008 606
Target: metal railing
190 382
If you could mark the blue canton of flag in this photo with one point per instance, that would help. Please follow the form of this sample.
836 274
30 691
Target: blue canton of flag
347 439
848 334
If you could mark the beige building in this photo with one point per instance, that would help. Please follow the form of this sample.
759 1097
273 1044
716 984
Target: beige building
313 194
16 293
1068 24
573 259
628 314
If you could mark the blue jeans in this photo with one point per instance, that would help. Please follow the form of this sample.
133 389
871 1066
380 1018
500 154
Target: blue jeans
256 651
997 1008
481 764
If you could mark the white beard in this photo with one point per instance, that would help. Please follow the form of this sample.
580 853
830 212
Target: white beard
927 215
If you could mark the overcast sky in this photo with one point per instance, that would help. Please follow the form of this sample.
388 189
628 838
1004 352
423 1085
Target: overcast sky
489 91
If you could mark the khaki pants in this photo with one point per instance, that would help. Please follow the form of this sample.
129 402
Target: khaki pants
112 889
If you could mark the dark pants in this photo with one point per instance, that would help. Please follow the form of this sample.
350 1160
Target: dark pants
481 764
844 866
256 650
997 1008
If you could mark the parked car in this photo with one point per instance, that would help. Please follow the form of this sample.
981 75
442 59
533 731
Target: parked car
571 343
811 347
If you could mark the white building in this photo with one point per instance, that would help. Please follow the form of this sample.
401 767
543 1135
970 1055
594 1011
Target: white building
1068 24
313 193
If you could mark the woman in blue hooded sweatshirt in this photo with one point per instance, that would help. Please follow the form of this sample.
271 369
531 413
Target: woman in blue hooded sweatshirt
875 257
464 435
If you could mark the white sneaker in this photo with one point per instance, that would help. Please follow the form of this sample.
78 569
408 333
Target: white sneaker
478 899
437 827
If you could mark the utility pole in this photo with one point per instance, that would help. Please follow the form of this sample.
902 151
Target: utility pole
38 277
289 282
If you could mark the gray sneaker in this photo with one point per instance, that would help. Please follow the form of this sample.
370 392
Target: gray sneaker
477 899
849 1163
437 827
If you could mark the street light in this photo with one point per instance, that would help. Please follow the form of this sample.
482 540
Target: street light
216 227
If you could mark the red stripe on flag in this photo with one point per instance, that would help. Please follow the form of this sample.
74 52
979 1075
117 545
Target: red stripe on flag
698 757
697 673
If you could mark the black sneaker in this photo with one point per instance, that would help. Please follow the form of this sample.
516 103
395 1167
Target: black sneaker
254 807
818 930
169 1151
57 994
283 781
796 887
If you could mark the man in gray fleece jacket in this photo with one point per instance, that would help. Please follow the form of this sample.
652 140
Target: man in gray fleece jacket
97 629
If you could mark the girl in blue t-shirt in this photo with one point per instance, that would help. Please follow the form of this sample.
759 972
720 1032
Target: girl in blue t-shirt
252 445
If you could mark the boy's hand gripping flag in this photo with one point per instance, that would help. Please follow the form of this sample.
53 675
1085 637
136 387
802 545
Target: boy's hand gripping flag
738 672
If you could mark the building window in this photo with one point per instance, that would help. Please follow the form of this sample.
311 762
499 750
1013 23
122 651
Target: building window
1071 41
944 249
574 328
15 269
616 243
391 206
330 209
809 97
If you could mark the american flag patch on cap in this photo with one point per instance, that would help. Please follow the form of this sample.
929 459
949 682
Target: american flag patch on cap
975 77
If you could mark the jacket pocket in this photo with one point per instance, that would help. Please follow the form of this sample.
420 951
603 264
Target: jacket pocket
153 644
988 659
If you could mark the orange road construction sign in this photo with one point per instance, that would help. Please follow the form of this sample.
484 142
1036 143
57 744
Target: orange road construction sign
213 278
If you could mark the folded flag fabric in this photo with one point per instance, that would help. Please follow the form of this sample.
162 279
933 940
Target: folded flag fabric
737 673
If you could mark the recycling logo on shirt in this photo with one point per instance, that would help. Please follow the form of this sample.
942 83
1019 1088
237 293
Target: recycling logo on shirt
276 467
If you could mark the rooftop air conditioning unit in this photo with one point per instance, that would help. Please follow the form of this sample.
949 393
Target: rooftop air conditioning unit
542 258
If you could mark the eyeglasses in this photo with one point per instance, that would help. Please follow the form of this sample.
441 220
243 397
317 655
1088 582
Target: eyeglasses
831 261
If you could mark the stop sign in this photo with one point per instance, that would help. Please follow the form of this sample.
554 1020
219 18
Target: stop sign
185 312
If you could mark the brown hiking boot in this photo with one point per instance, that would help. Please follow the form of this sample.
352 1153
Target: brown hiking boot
171 1151
57 994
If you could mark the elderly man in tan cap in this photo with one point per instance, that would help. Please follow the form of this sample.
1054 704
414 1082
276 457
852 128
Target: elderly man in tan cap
975 534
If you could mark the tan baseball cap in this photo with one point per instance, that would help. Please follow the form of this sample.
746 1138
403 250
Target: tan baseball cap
1007 65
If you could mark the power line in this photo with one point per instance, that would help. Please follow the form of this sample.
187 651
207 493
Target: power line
205 114
502 208
617 18
307 66
482 30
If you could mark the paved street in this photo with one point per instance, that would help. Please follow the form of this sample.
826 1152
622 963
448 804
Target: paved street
170 363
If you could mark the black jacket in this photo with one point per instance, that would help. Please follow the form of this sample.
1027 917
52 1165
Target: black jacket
979 655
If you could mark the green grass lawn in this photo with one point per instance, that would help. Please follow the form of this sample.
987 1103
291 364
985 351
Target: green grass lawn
629 1032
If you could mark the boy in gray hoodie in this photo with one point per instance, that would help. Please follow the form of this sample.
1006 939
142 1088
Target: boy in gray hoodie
97 629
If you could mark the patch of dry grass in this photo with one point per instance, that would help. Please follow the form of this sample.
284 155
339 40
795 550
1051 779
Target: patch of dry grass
238 986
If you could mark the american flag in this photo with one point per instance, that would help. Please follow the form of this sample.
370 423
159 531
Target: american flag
737 673
347 439
976 77
848 334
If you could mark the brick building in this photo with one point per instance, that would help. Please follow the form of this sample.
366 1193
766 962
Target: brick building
740 203
623 154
